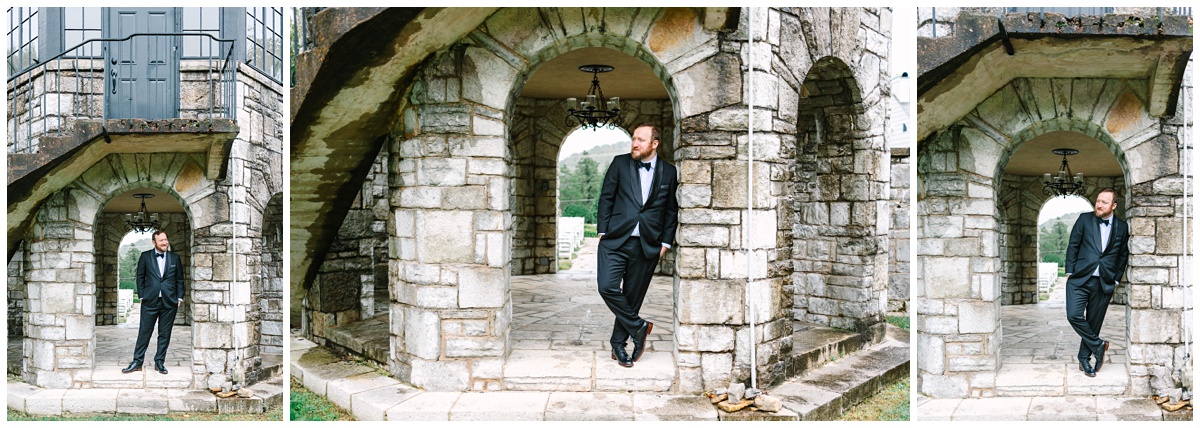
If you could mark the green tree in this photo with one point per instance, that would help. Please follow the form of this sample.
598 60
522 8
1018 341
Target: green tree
579 189
1053 241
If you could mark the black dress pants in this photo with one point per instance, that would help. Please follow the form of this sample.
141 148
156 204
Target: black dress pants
1086 306
623 276
154 311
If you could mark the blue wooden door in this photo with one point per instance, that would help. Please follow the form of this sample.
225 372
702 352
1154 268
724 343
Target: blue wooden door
142 73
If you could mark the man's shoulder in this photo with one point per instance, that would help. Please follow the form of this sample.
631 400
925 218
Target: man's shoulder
621 157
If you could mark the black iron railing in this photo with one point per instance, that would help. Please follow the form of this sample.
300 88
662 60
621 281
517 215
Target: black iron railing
81 83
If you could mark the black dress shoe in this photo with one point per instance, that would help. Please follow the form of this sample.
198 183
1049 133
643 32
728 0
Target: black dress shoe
1100 357
639 339
619 354
133 367
159 366
1086 368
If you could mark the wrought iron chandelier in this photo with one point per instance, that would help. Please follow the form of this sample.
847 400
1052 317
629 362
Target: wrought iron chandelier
594 111
142 221
1063 184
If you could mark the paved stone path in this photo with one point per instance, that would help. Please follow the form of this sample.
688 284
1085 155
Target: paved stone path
1039 378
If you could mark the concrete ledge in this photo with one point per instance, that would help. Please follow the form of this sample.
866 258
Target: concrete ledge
89 401
507 406
372 405
18 393
589 406
429 406
32 400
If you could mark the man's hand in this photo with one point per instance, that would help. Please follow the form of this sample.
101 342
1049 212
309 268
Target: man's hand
662 251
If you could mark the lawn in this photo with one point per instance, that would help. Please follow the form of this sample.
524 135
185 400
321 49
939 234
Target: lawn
898 321
273 415
308 406
890 404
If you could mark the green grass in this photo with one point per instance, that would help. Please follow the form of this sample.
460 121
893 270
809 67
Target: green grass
564 265
308 406
890 404
898 321
589 231
274 415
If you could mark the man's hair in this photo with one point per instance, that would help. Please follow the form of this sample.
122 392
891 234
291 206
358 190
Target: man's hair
1109 190
654 134
154 236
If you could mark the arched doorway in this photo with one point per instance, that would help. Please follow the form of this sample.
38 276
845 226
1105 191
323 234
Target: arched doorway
115 340
561 317
1034 335
841 216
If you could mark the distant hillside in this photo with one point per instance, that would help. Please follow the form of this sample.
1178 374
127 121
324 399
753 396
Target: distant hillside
1067 219
602 154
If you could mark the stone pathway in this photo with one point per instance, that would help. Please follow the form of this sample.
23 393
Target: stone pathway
1039 377
1038 352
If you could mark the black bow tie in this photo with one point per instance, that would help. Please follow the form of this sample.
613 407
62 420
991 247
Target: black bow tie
645 165
1104 222
160 254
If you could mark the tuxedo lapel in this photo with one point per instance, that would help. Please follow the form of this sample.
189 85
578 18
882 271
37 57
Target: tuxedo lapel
635 182
657 179
1096 235
154 265
1112 232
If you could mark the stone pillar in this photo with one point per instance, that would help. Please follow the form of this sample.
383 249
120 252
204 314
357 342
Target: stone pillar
59 321
958 304
16 294
271 304
452 202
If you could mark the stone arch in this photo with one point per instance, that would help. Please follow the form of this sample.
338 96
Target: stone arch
839 195
459 166
60 267
962 268
271 330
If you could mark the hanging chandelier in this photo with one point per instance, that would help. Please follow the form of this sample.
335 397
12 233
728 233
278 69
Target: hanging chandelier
142 221
1063 184
594 111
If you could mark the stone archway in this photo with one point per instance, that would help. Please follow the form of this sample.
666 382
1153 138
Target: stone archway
961 226
60 259
466 170
840 202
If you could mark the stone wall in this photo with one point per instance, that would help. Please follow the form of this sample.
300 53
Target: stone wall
355 268
16 293
77 93
960 226
537 134
899 256
109 230
271 304
1020 201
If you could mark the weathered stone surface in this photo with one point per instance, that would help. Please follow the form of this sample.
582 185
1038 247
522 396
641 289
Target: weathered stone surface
514 406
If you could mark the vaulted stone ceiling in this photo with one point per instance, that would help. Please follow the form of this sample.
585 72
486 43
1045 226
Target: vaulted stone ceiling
160 203
560 77
1035 157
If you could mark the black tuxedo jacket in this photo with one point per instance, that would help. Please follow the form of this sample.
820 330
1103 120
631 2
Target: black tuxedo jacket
620 207
1084 252
150 283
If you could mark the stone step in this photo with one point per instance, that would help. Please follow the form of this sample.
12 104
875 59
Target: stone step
110 376
1060 379
814 346
365 338
826 392
272 366
586 371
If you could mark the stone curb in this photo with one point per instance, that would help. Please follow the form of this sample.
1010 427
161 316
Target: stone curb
32 400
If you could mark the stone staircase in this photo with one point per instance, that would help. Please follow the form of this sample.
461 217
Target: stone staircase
366 338
150 400
586 371
1057 380
834 371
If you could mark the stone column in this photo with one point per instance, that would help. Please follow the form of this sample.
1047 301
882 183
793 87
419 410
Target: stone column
60 281
452 202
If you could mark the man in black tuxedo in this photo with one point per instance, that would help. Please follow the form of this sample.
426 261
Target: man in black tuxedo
636 223
1096 259
160 286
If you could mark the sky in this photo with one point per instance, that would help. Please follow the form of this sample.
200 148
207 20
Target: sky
1059 206
582 139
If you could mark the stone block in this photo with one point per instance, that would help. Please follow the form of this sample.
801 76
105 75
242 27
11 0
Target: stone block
466 347
654 407
715 82
978 317
142 402
716 369
508 406
584 406
446 375
939 386
947 277
191 400
442 239
710 301
482 287
45 402
89 401
422 333
654 371
372 404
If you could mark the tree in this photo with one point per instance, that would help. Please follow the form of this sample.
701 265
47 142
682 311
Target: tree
1053 242
579 189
